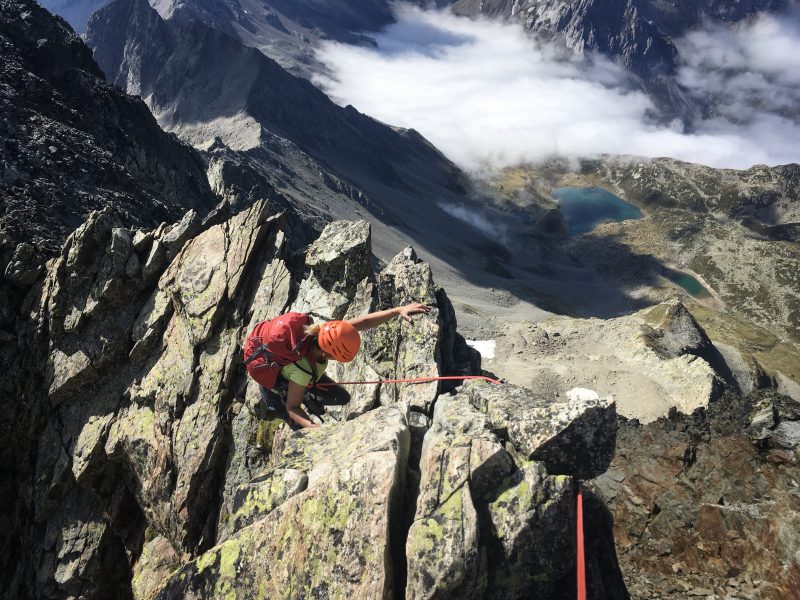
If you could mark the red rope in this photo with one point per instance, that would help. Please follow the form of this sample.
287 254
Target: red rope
412 380
581 563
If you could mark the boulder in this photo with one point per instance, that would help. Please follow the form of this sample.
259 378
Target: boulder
362 397
69 374
154 262
332 539
485 527
252 434
80 556
533 518
399 349
24 268
274 287
156 562
88 454
189 382
339 260
775 424
574 435
176 235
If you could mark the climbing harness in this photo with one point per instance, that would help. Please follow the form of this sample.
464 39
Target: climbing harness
410 380
581 575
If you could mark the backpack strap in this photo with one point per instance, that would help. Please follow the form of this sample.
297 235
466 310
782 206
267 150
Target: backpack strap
313 372
257 353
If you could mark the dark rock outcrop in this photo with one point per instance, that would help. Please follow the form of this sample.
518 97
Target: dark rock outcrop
71 143
709 501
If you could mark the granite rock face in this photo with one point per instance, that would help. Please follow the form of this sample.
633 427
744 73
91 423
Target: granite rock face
318 522
71 143
490 523
572 436
158 473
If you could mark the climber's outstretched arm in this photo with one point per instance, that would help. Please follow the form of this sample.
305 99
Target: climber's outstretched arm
380 317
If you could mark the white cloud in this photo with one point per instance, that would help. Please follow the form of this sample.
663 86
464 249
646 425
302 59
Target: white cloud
756 63
487 94
486 225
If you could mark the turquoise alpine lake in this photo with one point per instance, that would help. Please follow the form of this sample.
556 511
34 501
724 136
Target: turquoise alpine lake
585 208
689 283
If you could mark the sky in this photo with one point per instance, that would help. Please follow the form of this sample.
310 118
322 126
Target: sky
489 96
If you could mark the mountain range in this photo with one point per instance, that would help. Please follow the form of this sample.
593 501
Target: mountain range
235 104
637 34
137 460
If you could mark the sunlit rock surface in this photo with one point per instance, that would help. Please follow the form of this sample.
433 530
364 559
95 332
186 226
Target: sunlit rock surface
157 447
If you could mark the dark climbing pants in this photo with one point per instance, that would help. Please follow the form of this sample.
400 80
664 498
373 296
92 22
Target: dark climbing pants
316 399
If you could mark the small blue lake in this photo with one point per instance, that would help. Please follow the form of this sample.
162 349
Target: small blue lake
689 283
585 208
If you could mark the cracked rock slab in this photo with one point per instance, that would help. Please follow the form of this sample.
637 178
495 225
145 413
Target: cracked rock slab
573 436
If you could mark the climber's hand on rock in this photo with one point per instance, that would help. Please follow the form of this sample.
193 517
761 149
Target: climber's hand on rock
415 308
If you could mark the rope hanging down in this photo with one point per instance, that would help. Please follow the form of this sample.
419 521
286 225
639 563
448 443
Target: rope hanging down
581 564
411 380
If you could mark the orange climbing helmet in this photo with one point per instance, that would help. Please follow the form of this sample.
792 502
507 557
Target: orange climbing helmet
340 340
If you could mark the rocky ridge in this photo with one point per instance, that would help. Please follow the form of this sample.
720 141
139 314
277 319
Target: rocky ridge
71 143
262 128
248 98
636 33
142 465
149 451
653 361
284 31
157 473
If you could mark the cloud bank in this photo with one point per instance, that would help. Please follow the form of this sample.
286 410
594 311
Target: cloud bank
752 66
489 96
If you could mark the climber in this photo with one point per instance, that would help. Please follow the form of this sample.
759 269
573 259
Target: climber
333 340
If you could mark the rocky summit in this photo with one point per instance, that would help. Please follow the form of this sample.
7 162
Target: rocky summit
153 470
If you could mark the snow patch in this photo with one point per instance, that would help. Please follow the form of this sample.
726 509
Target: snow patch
485 347
582 394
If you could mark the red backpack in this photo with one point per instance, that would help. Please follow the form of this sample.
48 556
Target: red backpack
275 343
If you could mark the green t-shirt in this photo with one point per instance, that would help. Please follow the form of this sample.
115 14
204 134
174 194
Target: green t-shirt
293 372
